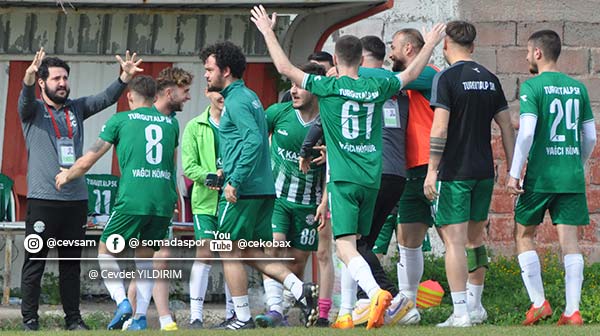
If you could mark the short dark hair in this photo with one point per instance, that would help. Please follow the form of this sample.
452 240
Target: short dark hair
145 86
413 36
462 33
374 45
51 62
549 42
321 56
313 68
226 55
173 76
348 49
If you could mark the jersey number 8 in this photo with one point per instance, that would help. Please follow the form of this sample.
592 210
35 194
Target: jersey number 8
154 148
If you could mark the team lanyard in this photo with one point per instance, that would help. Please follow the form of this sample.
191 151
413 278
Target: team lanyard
69 128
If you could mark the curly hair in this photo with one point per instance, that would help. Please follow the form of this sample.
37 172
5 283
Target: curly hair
226 55
173 76
51 62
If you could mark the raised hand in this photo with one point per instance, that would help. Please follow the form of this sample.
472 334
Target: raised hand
129 66
435 35
33 68
261 19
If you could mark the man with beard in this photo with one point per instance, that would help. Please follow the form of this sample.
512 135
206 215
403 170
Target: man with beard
172 91
53 130
298 194
557 135
145 141
246 206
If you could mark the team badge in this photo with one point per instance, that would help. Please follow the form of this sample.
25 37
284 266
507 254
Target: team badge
39 226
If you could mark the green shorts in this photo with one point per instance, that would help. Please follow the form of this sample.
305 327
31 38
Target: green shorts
297 222
248 218
351 206
568 209
142 227
385 235
461 201
413 206
205 226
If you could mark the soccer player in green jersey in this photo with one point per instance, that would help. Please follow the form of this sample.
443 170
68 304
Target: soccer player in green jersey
200 156
145 140
350 109
246 207
172 92
298 194
556 137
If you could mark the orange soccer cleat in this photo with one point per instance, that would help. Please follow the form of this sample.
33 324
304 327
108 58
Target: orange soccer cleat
343 322
574 319
540 313
379 305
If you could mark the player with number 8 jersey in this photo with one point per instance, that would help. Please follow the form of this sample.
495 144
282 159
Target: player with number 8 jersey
154 172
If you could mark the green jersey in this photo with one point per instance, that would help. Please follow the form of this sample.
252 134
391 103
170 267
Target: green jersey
215 129
102 193
6 185
288 132
351 113
145 142
561 105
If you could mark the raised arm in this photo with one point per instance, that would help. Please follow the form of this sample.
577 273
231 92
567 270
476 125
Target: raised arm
432 38
83 164
26 105
282 63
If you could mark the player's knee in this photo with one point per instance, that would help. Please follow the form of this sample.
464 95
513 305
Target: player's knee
476 258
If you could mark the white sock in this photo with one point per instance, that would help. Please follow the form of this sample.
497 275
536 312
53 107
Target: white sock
294 284
410 270
198 285
531 272
573 282
242 308
115 286
165 320
459 301
144 285
361 273
274 294
348 292
229 307
474 293
288 301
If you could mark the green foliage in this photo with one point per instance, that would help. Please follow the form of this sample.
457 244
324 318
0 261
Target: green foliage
505 297
50 289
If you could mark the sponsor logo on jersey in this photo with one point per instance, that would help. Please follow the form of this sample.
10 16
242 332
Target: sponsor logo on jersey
524 98
476 70
282 132
288 155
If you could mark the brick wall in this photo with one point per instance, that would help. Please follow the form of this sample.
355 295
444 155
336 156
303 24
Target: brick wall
502 47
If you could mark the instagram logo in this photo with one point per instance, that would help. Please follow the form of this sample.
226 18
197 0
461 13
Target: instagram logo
33 243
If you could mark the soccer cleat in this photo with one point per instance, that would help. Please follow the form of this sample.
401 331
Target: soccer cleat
170 327
138 324
534 314
574 319
225 322
478 316
235 324
412 317
322 323
31 325
343 322
196 324
309 303
360 314
456 321
398 308
379 304
122 314
269 319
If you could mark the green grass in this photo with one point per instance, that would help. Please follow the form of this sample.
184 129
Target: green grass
420 331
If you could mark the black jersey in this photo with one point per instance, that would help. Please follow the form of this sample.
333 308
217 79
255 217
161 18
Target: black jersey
473 95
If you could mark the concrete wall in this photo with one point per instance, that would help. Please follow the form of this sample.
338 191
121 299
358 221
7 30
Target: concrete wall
503 27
